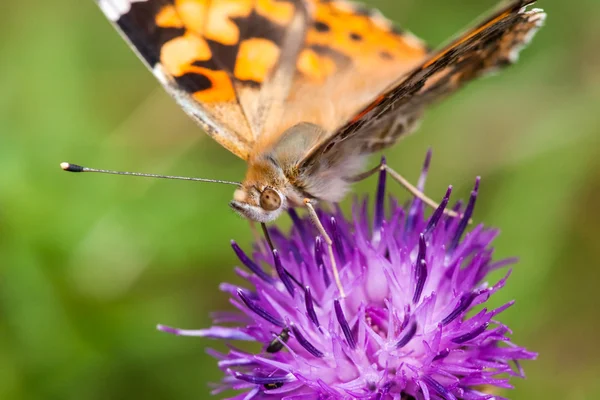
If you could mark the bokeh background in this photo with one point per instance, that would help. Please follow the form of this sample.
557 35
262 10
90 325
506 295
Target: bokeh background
90 264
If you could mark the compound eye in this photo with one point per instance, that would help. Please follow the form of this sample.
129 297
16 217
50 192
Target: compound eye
270 200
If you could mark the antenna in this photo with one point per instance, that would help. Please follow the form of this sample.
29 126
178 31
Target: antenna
78 168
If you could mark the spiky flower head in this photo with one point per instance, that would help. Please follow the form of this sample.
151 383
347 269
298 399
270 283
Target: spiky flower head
412 323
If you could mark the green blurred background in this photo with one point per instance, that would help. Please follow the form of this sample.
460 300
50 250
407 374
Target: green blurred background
90 264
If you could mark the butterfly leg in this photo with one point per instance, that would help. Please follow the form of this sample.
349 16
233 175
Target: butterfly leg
256 235
406 184
315 219
254 231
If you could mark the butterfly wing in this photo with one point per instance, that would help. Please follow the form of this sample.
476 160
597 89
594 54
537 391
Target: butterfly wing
349 55
246 70
490 45
216 58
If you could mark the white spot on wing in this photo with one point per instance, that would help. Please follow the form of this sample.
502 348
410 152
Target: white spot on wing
537 16
412 40
113 9
159 73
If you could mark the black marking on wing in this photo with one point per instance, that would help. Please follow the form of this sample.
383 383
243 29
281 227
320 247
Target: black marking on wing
469 56
138 24
257 26
208 64
357 37
340 59
223 56
250 27
321 26
193 82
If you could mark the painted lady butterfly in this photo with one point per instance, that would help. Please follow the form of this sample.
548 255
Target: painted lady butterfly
305 90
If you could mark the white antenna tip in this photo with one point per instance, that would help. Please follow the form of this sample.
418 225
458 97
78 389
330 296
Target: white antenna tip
65 165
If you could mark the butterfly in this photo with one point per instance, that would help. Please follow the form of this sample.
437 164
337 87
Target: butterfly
305 90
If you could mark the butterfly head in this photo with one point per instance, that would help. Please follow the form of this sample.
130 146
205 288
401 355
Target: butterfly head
258 204
262 196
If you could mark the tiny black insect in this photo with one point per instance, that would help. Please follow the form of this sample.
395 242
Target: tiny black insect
273 385
277 343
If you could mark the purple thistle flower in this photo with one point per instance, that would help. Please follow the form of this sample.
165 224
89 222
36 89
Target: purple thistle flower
406 329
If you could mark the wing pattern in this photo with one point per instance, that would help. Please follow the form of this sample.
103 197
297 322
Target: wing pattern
492 44
245 69
351 53
212 56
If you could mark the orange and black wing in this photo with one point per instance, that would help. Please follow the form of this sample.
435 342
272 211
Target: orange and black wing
213 57
490 45
350 54
246 70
